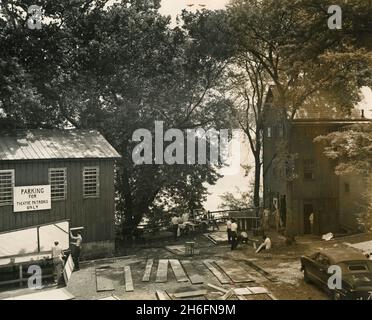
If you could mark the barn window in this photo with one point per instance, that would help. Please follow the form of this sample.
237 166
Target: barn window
91 182
309 168
58 183
281 130
347 187
6 187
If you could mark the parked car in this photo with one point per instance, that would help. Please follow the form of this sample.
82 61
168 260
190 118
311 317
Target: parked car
356 272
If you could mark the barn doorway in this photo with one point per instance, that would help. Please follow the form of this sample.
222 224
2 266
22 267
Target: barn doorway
308 210
283 210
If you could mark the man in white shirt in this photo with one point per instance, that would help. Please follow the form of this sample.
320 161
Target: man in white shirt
57 256
174 222
266 244
311 220
185 217
265 219
77 248
228 229
234 234
244 237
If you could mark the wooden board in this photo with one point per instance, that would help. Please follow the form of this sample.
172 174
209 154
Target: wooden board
227 295
68 269
242 291
222 278
112 297
178 271
218 236
191 272
209 238
365 247
256 267
162 273
223 290
103 282
178 250
55 294
258 290
235 272
147 274
189 294
162 295
128 279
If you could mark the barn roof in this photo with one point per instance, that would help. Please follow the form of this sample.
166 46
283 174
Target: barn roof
55 144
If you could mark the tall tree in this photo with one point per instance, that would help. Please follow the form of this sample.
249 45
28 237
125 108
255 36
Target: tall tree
249 84
309 65
351 149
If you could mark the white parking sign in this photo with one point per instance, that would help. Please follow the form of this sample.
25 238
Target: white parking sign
32 198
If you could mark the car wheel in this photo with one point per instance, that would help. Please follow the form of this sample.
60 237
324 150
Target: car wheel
306 276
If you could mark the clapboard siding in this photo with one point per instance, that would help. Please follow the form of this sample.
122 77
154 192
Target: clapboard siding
95 215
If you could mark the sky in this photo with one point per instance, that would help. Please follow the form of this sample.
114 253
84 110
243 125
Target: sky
174 7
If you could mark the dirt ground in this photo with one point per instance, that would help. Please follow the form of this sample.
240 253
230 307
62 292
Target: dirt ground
283 263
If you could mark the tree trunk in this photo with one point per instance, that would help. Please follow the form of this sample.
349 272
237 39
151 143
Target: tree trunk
257 181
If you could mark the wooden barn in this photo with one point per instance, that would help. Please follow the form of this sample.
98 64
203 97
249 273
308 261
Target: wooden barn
48 176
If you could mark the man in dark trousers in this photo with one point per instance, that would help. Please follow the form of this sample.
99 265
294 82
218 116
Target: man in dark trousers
175 222
228 229
234 234
77 249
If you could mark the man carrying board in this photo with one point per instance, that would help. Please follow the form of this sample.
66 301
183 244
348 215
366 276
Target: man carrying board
77 250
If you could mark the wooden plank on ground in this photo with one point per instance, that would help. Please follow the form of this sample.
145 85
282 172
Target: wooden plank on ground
191 272
162 295
103 282
365 246
162 273
223 290
235 272
256 267
190 294
128 279
178 271
258 290
227 295
217 273
147 274
218 236
112 297
209 238
55 294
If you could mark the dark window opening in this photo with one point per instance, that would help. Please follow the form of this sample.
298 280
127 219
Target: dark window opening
347 187
309 170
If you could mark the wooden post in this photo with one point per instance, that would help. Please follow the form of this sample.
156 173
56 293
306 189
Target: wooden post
20 275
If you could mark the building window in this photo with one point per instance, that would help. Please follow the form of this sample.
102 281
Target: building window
58 183
269 132
309 169
347 187
281 130
91 182
6 187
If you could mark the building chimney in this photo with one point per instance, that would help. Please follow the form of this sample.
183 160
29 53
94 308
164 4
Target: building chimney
362 114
